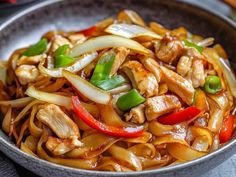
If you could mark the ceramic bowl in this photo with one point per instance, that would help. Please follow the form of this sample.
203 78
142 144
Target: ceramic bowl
28 26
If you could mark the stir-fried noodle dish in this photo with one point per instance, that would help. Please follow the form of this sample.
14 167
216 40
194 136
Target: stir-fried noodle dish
122 95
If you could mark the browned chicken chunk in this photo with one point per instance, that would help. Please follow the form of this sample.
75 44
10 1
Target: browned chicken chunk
141 79
121 54
27 73
30 60
184 65
169 50
178 85
159 105
59 41
77 38
58 121
198 75
152 65
136 114
61 146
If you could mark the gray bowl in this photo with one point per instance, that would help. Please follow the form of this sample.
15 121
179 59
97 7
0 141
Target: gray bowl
27 27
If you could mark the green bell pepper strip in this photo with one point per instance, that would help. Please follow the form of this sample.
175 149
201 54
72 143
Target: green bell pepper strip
103 67
212 84
129 100
101 75
110 83
191 44
61 50
36 49
61 59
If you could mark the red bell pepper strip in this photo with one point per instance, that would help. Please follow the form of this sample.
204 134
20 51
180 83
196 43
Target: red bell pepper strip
227 129
89 31
10 1
181 116
84 115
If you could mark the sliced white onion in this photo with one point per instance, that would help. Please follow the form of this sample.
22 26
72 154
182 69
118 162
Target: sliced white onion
134 17
206 42
21 102
131 31
107 41
229 76
49 97
75 67
123 88
87 89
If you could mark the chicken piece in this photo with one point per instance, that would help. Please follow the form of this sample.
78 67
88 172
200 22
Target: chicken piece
141 79
31 60
193 53
136 115
179 85
121 54
184 65
198 74
77 38
169 50
27 73
61 146
151 65
59 41
159 105
58 121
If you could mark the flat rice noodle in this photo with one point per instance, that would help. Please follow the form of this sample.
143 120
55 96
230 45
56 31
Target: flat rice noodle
159 29
24 111
18 103
31 142
93 146
6 123
81 125
159 129
26 149
166 139
44 82
216 116
221 100
144 150
58 84
144 138
24 127
126 157
154 163
77 163
34 130
201 131
183 153
89 132
110 117
110 164
104 23
216 120
177 162
92 109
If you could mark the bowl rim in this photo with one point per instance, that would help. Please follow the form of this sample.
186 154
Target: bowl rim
59 167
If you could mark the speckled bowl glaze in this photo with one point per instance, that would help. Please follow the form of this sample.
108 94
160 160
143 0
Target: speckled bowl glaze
27 27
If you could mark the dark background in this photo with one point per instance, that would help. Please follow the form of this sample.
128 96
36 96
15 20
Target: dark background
9 169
